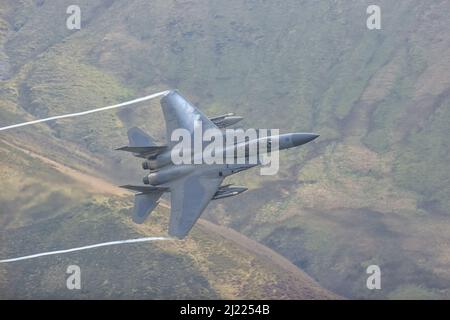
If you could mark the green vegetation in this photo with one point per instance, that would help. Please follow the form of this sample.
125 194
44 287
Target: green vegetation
413 293
373 189
43 209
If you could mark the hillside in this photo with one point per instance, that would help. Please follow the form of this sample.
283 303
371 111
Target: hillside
374 189
63 209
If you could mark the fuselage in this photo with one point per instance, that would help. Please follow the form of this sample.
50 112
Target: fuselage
199 153
164 171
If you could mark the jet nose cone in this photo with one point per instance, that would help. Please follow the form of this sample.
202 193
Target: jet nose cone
302 138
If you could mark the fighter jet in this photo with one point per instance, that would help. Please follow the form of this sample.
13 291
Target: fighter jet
191 186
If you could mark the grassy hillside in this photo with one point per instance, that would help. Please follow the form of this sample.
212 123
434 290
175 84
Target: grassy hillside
45 209
372 189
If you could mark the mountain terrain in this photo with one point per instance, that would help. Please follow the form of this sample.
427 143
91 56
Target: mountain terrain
373 189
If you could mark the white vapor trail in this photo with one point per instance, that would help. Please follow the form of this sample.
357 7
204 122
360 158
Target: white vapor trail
104 244
123 104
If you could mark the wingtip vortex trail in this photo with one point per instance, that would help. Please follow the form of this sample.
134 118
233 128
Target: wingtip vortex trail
103 244
123 104
82 113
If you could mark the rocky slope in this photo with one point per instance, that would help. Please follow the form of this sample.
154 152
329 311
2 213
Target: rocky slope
372 190
50 206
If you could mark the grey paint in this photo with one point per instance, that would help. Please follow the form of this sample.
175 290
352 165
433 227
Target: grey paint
192 187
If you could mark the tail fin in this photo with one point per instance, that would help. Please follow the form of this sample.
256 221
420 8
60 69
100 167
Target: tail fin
139 138
141 144
144 203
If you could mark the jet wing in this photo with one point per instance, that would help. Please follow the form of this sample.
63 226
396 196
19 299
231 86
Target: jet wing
180 113
189 197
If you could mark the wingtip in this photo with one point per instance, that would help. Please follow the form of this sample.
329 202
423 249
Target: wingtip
169 92
175 233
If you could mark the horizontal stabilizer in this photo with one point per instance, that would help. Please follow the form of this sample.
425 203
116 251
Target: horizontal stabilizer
144 151
145 189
